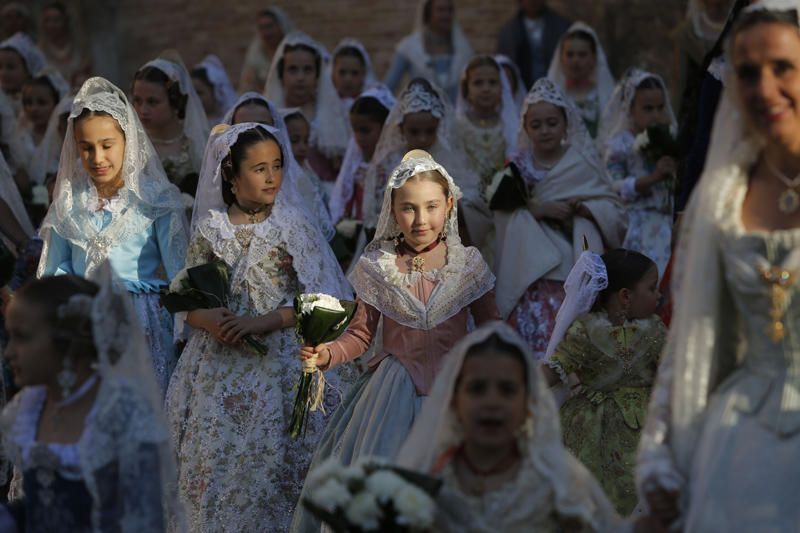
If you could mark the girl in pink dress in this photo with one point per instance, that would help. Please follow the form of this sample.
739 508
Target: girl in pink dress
417 286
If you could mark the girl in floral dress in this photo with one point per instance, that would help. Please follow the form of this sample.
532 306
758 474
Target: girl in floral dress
229 407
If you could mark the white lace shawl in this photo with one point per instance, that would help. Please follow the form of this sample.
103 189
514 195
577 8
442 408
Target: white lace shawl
416 98
437 430
224 93
31 55
412 48
508 111
696 348
147 194
378 282
9 193
307 189
290 221
45 158
603 79
617 115
127 419
353 158
331 129
195 122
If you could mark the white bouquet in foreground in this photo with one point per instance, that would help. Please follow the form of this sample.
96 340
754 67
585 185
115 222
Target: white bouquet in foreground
309 302
371 496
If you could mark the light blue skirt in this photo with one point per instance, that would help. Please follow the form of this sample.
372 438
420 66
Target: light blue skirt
157 324
373 421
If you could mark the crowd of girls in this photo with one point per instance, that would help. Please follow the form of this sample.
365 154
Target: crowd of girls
502 228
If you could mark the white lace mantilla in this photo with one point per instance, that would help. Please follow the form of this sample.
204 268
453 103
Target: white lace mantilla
379 283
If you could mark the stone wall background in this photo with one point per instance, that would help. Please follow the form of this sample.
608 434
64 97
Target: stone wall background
127 33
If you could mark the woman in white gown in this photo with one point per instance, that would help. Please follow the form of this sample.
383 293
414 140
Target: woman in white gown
720 448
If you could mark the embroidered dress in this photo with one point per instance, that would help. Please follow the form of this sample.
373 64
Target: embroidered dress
602 421
141 231
229 407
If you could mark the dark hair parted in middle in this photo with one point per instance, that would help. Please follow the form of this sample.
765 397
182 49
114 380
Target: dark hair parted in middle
231 165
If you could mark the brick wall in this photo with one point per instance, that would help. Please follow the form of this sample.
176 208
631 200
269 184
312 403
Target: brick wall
633 31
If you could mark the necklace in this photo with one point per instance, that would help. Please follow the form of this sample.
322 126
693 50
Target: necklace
789 200
500 467
78 394
167 141
252 214
417 262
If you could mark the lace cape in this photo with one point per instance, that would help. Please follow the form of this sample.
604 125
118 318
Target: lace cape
377 280
331 129
195 122
289 222
146 193
437 431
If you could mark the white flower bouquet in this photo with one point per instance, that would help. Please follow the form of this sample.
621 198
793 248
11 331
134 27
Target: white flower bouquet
371 496
320 318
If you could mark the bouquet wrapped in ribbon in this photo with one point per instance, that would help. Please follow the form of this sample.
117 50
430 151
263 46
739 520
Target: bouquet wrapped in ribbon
320 318
507 190
656 142
371 496
203 287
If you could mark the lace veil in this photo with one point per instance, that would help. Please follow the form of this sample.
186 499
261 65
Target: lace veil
370 80
293 222
509 111
224 93
519 94
45 158
330 129
436 431
696 348
31 55
617 115
195 122
147 192
585 281
353 158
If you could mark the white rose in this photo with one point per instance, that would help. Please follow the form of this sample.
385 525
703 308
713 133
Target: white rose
309 302
348 227
414 507
641 141
331 495
176 285
330 468
353 473
363 511
39 195
384 484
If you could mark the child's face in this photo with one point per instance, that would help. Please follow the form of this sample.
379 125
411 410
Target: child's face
37 103
299 132
490 401
578 60
546 127
260 174
348 76
645 296
206 94
31 354
269 30
299 78
419 130
366 132
648 109
101 147
13 73
152 105
253 113
420 208
483 88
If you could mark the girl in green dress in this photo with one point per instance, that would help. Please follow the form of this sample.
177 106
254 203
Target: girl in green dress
608 340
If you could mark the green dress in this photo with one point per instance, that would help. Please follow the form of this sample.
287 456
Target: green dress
602 420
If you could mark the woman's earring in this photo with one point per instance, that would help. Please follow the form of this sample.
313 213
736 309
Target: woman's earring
67 377
563 141
524 433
